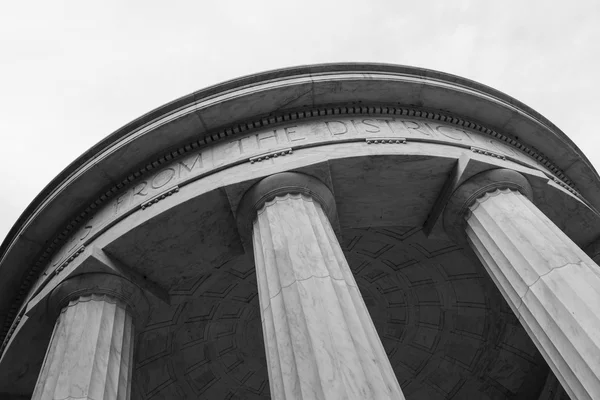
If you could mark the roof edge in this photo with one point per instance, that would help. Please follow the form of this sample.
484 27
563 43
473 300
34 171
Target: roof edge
262 77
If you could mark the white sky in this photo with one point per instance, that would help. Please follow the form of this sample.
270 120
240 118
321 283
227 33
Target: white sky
72 72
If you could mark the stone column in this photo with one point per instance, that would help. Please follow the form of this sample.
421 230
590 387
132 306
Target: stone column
550 283
90 355
320 340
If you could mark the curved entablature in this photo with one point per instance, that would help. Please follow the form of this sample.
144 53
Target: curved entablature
253 120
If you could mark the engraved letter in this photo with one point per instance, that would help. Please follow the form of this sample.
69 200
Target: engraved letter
197 160
120 200
139 191
502 148
374 128
290 131
336 127
389 124
248 143
261 138
163 177
87 229
415 127
449 132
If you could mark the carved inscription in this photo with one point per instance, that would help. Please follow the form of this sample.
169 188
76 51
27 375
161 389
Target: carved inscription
250 146
137 195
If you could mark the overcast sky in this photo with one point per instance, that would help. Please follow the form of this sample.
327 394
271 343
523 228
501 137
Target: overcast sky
72 72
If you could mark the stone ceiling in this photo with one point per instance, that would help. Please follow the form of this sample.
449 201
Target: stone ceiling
445 327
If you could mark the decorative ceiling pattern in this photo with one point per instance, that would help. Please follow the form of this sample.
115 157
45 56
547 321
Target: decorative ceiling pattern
445 327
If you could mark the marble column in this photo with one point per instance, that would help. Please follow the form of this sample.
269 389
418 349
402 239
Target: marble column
550 283
90 355
320 340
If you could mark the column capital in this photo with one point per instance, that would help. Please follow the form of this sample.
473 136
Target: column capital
100 286
279 185
90 355
479 185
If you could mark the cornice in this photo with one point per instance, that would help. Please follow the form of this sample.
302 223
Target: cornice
368 71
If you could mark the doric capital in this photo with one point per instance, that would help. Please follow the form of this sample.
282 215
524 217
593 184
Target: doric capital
97 286
280 185
474 188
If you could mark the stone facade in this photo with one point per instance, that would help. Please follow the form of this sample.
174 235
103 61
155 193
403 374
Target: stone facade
344 231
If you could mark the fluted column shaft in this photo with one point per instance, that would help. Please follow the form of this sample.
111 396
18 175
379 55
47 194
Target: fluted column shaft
551 284
91 352
320 340
90 355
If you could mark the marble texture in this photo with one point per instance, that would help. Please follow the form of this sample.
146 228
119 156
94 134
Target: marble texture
320 341
550 283
91 352
90 355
